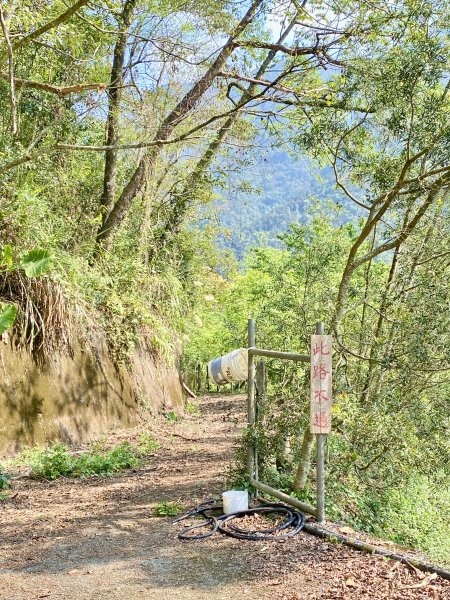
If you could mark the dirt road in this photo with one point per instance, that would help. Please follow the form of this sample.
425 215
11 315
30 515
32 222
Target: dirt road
98 539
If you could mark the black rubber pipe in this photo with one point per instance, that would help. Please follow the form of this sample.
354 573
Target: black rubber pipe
293 523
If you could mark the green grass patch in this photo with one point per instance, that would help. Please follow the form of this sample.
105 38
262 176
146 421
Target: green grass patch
192 408
172 417
147 444
57 460
168 509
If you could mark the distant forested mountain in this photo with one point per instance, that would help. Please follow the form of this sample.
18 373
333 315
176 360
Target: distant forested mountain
275 192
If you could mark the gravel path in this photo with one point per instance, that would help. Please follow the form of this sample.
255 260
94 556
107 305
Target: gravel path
98 539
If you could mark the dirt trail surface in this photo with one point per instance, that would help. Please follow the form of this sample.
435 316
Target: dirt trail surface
98 539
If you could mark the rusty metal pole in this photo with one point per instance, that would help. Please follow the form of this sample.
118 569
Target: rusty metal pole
260 385
251 401
320 464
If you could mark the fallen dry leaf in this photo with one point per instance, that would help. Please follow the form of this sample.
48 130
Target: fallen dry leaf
428 579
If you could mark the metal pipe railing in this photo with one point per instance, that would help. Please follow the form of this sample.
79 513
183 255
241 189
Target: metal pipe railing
307 508
252 457
275 354
320 460
251 409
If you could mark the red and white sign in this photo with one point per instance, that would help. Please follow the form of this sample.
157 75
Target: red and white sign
321 383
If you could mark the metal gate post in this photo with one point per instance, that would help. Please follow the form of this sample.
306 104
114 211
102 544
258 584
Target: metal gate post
251 451
260 395
320 458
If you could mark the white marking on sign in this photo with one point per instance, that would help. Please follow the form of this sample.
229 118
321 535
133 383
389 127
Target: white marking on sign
321 383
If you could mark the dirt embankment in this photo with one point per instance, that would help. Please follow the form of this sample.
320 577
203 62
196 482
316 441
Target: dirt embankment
98 539
76 398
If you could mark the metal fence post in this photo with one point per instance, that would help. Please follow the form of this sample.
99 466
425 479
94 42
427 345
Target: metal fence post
251 400
260 385
320 465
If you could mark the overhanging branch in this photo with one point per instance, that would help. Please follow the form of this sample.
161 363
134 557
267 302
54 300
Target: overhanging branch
59 90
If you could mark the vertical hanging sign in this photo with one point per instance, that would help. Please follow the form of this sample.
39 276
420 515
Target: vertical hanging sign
321 383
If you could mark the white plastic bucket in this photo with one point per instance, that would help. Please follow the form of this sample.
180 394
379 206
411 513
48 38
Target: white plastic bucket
234 501
229 368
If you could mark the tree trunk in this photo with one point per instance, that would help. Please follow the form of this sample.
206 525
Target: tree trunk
379 327
114 98
304 465
405 283
174 118
180 202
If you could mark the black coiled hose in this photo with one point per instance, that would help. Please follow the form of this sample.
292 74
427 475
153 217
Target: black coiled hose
292 524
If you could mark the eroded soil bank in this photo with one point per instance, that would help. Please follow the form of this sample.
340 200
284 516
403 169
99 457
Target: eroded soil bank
76 397
98 539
